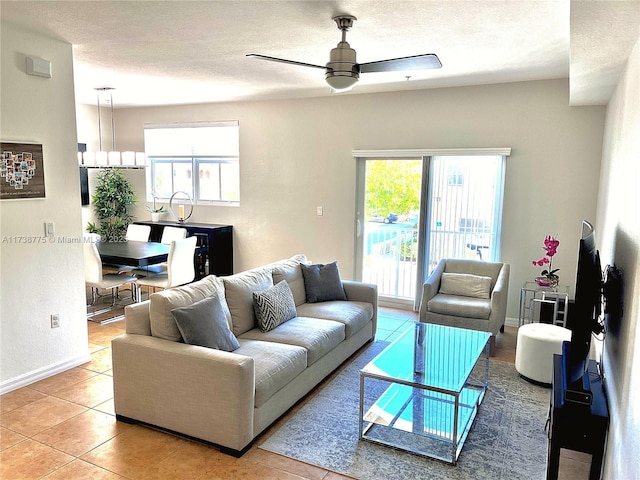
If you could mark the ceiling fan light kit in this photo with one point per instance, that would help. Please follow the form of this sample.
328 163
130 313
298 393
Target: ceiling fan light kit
342 71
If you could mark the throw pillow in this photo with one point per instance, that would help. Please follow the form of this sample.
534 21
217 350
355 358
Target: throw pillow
465 285
204 323
274 306
322 282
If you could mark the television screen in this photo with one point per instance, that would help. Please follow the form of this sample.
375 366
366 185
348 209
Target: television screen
584 315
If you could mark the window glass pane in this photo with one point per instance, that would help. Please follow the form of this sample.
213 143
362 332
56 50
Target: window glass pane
182 181
230 182
162 183
209 181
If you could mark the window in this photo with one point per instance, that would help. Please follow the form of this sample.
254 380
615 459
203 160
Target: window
200 159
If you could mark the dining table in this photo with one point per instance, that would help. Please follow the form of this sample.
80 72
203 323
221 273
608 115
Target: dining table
133 253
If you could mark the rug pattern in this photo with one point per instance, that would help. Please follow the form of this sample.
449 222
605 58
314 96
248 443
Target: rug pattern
507 441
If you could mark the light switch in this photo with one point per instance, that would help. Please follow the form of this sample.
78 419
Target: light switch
48 229
319 211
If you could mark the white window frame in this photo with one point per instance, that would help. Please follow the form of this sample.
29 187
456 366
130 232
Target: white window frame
195 161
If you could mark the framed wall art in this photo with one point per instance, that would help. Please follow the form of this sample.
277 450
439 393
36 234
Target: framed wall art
21 171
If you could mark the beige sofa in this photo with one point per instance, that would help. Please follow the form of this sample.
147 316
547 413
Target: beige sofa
467 303
228 398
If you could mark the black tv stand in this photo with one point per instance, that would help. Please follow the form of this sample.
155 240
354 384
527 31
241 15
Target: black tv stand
577 425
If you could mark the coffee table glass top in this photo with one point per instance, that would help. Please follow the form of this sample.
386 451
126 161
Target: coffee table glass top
424 390
432 356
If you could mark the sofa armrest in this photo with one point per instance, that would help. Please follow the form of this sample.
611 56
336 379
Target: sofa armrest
136 318
363 292
430 288
499 296
197 391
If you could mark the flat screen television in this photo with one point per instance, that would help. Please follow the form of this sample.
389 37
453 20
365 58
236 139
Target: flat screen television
585 313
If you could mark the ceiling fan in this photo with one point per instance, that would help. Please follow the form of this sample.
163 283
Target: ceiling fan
342 72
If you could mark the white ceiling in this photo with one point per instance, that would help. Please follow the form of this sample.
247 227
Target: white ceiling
175 52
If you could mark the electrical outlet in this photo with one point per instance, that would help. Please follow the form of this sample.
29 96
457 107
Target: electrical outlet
55 320
319 211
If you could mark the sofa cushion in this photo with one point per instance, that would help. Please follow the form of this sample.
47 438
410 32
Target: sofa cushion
239 290
291 271
317 336
204 323
163 325
322 282
465 285
354 315
274 306
275 366
457 306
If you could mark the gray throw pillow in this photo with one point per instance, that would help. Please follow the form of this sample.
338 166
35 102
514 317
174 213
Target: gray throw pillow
322 282
274 306
204 323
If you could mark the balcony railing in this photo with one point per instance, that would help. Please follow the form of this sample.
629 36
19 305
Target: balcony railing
391 254
390 259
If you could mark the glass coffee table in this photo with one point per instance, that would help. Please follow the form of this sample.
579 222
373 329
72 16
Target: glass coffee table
422 392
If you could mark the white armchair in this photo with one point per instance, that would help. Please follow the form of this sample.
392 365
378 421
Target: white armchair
467 294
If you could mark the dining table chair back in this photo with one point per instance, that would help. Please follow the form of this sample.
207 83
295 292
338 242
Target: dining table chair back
138 233
180 266
170 234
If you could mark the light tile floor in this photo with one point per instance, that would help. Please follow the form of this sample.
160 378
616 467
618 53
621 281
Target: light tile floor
64 427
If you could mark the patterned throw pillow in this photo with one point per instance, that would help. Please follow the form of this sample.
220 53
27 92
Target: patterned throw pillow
274 306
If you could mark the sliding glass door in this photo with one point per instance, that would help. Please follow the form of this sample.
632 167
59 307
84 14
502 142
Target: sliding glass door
414 210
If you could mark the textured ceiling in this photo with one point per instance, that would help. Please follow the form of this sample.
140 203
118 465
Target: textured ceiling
174 52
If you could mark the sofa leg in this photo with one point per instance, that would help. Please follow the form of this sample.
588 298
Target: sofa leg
502 329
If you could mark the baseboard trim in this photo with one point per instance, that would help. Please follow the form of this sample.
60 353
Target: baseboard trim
42 373
512 322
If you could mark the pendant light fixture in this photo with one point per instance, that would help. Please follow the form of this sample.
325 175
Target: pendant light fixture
113 157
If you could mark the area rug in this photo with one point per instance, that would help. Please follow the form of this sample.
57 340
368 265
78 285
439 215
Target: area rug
507 441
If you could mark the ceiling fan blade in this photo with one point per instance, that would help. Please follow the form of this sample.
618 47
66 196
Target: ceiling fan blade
282 60
416 62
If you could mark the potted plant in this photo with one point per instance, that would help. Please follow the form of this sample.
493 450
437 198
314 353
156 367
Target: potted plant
155 211
111 200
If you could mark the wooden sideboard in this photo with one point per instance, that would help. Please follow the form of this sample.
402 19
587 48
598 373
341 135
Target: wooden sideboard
214 247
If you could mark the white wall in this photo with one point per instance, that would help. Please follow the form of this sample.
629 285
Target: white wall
40 279
618 225
296 155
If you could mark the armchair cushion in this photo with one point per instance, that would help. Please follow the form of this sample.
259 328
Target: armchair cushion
465 285
460 306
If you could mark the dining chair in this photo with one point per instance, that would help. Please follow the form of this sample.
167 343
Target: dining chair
169 234
96 279
180 268
137 233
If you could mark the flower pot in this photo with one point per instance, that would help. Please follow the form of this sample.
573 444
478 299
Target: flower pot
546 281
155 216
